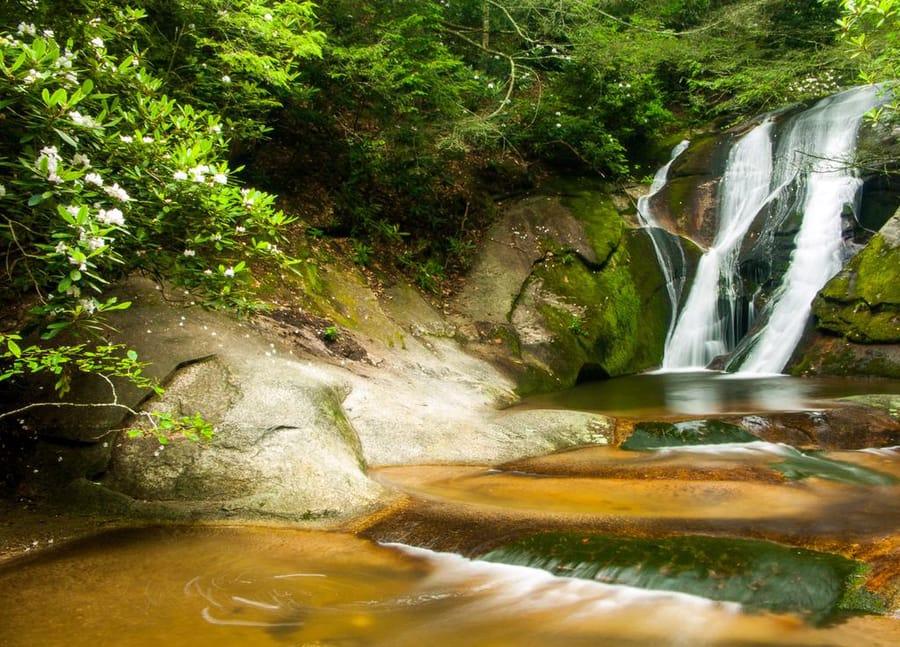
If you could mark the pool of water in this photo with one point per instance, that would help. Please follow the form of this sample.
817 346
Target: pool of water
707 392
230 587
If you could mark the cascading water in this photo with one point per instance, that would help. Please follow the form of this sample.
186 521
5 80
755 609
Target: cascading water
666 245
817 149
707 325
804 176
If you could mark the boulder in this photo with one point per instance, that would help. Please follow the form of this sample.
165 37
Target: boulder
295 432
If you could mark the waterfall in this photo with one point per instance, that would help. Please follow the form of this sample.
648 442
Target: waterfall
665 244
817 148
708 324
805 177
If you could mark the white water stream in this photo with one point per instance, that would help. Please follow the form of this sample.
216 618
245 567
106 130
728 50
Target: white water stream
665 244
706 326
798 168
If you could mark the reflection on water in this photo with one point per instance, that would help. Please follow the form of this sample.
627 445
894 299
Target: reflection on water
707 392
233 587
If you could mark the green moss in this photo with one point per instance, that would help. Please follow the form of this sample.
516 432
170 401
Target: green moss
862 303
842 357
603 223
613 318
654 435
757 574
873 275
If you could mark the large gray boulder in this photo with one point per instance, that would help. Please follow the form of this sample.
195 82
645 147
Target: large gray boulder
296 433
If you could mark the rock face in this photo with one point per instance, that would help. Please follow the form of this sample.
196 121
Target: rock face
862 303
295 433
569 289
858 313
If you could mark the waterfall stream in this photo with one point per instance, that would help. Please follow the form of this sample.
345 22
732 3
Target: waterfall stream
667 247
798 173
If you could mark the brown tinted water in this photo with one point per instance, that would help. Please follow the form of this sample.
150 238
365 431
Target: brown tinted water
224 587
707 392
231 587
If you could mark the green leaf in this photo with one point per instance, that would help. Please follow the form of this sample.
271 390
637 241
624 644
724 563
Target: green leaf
14 348
132 355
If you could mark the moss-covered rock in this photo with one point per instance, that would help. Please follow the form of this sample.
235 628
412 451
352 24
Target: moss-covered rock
858 314
757 574
578 322
654 435
568 289
862 303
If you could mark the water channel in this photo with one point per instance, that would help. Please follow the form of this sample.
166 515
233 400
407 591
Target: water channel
687 545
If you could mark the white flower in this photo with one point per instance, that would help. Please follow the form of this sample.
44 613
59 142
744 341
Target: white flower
126 138
147 139
32 76
73 210
198 173
81 160
490 86
117 192
96 243
207 272
88 305
97 42
61 248
190 252
226 78
47 33
111 217
220 178
229 272
268 17
93 178
215 128
50 151
240 230
558 125
26 29
180 175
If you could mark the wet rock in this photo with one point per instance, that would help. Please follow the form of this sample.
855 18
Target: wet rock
654 435
844 427
759 575
568 290
862 303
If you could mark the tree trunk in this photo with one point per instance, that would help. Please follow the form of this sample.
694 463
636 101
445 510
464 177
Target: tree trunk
485 24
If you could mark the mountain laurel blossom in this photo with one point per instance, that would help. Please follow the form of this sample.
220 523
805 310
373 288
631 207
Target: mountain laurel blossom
111 217
117 192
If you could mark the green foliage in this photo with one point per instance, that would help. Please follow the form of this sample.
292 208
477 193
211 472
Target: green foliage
871 28
64 361
103 173
164 426
331 334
